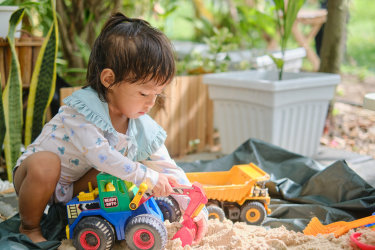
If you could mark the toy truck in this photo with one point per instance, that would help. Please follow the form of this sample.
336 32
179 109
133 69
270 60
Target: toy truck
238 194
119 210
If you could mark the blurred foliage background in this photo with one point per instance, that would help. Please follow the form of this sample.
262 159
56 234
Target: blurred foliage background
221 24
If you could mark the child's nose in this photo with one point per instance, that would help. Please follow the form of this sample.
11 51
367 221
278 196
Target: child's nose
151 101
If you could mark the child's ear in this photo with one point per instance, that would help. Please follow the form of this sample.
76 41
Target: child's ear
107 77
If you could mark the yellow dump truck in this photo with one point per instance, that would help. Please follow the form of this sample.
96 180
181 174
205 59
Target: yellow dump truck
238 194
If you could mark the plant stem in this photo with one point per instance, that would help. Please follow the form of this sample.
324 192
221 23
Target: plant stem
282 43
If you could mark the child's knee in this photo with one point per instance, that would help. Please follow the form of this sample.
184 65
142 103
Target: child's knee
44 165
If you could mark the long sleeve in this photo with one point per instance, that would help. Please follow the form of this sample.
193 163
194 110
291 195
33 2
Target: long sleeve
90 141
161 162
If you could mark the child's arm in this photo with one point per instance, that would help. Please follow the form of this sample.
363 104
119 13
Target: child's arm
161 162
89 140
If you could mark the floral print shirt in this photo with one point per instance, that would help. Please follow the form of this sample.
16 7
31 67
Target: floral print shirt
82 146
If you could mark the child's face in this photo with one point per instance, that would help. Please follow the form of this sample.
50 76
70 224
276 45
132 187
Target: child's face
134 100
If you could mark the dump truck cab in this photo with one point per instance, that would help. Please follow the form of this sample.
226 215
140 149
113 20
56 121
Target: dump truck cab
108 207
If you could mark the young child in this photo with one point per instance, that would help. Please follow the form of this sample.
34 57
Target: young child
104 127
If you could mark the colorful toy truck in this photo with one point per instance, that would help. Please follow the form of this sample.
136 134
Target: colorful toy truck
238 194
119 210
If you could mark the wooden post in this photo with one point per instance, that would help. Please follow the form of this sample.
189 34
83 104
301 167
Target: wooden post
202 113
183 129
331 51
174 118
193 108
25 59
2 64
166 115
210 121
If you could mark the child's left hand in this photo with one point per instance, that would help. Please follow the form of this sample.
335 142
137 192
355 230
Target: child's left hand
202 228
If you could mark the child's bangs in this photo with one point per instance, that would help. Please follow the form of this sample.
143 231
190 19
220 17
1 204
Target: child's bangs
143 59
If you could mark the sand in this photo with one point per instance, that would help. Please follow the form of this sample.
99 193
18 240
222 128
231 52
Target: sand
367 237
238 236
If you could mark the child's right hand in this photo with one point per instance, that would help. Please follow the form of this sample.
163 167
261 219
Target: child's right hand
162 187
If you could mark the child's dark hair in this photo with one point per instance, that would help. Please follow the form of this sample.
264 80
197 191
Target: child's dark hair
134 50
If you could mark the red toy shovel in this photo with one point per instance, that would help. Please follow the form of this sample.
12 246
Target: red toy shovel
187 232
198 199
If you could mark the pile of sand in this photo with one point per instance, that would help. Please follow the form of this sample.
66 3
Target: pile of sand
367 237
236 236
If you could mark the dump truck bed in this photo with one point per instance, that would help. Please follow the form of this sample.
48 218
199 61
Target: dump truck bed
232 185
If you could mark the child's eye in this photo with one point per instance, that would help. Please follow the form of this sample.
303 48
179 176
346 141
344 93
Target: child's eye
143 94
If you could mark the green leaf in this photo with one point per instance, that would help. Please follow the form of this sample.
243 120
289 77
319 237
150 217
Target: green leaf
2 119
12 101
42 85
279 5
278 61
84 49
289 17
75 70
7 3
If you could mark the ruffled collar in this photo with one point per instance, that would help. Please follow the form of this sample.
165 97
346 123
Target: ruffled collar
146 136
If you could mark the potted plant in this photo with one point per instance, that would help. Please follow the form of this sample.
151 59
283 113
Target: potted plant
285 109
41 91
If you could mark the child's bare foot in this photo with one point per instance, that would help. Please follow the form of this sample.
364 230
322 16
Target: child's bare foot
35 234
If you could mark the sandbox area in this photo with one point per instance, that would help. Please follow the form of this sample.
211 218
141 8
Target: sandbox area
237 236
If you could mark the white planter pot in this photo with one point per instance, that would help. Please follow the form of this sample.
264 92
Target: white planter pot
254 104
256 57
5 13
293 60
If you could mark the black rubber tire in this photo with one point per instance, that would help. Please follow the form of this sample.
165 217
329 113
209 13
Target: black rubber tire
150 223
169 207
217 211
250 206
99 226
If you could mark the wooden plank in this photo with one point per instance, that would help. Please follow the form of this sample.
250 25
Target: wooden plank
77 88
48 114
171 119
17 49
176 119
193 108
156 111
65 92
165 116
25 59
183 124
2 66
202 113
210 121
22 43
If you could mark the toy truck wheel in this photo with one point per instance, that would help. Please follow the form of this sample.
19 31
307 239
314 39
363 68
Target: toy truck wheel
215 212
169 207
146 231
93 233
253 213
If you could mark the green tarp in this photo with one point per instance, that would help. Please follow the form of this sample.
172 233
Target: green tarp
300 188
53 229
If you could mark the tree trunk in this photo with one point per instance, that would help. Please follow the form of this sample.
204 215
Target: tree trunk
67 38
331 51
332 44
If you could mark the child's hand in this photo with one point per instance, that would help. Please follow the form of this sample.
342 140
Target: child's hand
202 228
162 187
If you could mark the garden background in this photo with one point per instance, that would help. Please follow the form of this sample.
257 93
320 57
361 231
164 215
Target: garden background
237 25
